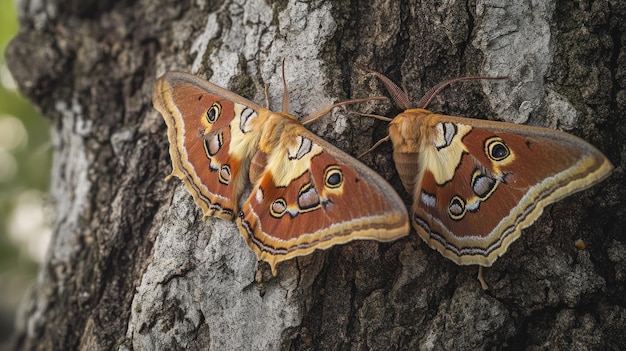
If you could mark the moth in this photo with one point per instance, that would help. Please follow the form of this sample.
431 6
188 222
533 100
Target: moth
476 183
306 194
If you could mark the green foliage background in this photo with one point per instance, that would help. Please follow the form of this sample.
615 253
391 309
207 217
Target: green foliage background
32 176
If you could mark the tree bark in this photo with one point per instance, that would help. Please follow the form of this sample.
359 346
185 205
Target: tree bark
131 265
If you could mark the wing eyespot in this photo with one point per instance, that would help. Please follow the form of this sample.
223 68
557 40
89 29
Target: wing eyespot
456 208
224 174
214 113
308 198
482 184
496 149
333 178
278 208
212 144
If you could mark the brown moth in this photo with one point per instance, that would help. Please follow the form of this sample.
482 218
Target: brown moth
306 194
475 183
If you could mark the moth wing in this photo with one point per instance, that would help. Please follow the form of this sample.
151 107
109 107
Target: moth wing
482 182
202 121
313 196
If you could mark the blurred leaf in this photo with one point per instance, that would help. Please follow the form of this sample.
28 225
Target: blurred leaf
8 24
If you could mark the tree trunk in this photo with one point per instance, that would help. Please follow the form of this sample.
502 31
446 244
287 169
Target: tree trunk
132 265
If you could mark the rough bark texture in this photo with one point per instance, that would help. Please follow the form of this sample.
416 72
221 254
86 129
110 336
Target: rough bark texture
133 267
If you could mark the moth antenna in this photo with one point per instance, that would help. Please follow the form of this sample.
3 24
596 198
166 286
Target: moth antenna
317 115
285 93
378 117
428 97
267 98
399 96
374 146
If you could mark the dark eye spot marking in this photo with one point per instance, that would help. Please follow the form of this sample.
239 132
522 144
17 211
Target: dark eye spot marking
308 198
214 113
333 178
456 208
224 174
278 207
499 151
496 149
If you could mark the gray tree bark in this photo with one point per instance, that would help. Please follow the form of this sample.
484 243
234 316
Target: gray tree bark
132 267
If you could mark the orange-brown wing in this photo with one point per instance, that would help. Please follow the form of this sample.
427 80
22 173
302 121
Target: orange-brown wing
482 182
204 125
313 196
